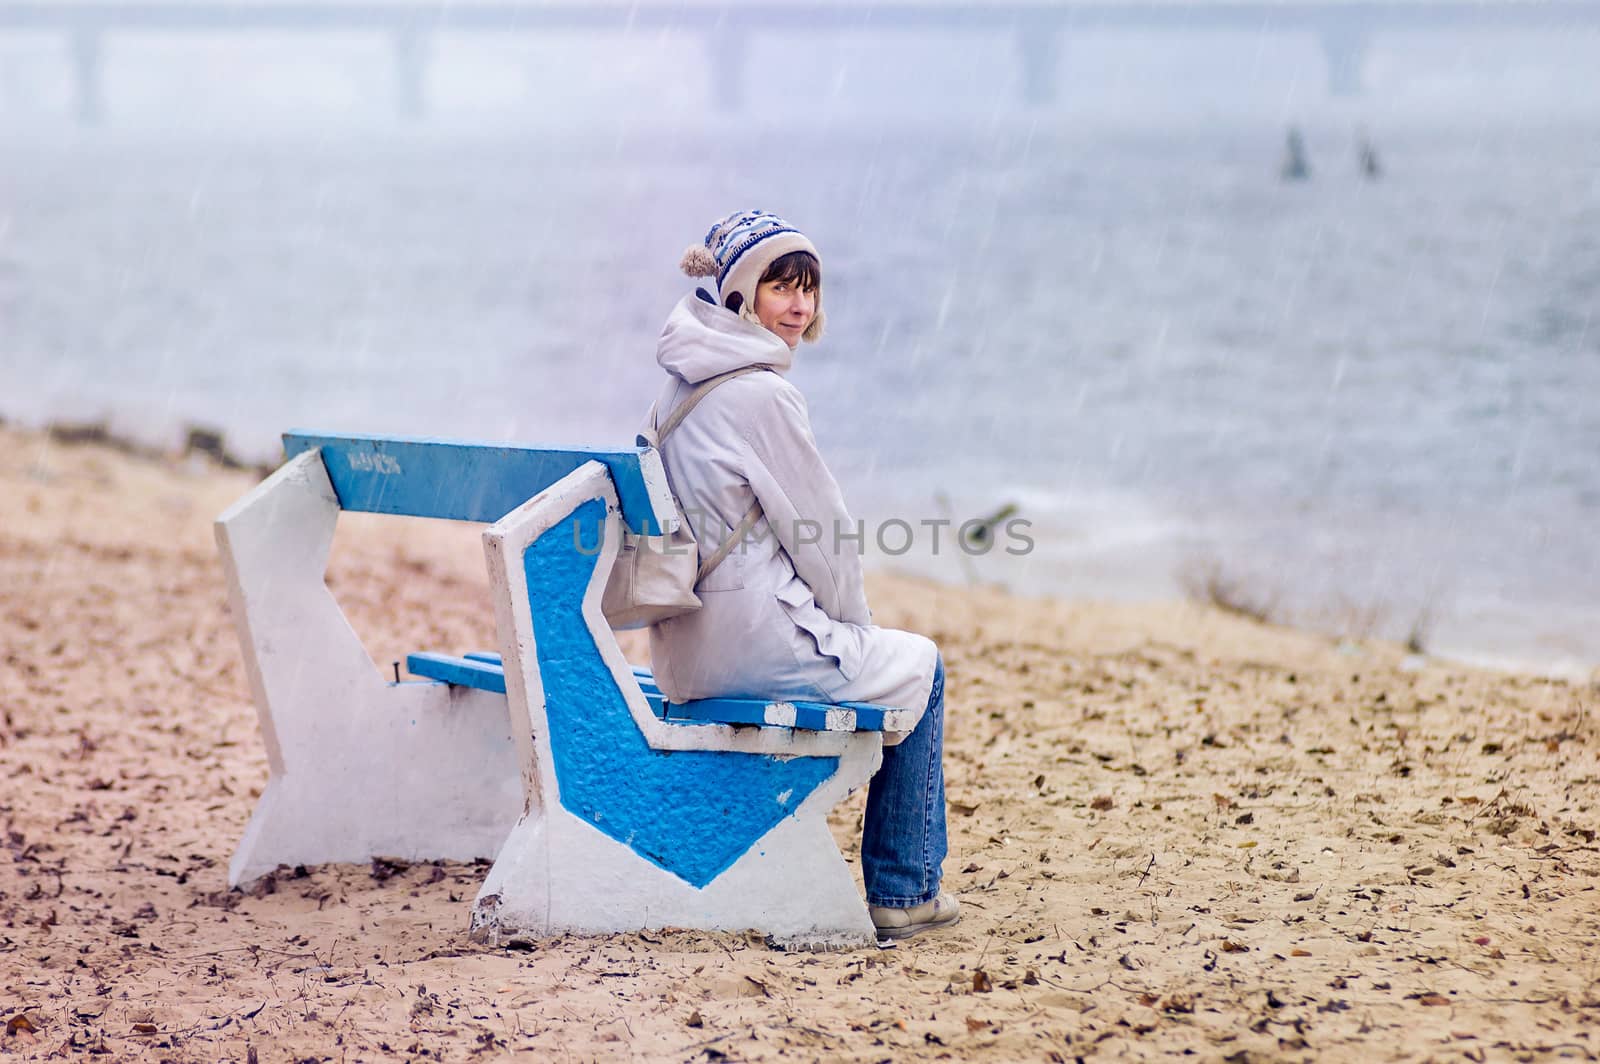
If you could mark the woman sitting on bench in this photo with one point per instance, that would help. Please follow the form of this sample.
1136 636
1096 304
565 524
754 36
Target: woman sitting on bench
785 614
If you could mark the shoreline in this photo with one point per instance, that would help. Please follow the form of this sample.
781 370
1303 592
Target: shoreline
192 441
1172 830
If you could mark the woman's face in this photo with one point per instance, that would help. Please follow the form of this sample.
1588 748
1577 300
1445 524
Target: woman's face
785 308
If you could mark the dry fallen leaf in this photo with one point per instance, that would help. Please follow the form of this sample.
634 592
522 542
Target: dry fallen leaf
1433 999
1299 953
974 1024
980 982
1230 946
1102 802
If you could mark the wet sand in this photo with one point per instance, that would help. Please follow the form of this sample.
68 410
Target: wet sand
1174 831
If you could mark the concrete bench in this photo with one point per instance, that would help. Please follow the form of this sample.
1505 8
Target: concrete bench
605 807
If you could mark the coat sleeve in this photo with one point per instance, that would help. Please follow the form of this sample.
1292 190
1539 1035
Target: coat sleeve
804 506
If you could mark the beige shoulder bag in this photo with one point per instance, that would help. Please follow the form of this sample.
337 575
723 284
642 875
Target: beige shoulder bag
654 577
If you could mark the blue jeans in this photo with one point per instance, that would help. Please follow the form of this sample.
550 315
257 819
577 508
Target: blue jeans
903 838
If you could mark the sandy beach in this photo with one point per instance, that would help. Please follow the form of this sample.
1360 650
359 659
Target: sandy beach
1174 831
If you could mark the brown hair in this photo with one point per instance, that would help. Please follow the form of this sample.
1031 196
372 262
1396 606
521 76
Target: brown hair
797 267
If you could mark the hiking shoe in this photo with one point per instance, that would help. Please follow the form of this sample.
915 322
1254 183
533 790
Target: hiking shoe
903 923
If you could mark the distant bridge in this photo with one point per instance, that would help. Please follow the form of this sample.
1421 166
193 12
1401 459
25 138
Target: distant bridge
1345 28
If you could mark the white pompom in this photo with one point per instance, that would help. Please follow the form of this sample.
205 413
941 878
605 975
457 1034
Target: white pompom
697 262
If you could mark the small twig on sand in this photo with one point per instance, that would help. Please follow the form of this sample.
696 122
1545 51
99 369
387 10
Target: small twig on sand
985 950
702 1045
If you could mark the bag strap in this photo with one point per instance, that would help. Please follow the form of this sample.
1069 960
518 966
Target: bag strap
681 411
751 516
701 390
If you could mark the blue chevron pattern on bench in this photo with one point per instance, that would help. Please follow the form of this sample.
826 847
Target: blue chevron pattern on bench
691 812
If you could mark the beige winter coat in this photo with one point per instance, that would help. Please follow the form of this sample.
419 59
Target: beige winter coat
783 617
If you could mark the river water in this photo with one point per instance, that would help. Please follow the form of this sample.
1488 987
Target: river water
1372 401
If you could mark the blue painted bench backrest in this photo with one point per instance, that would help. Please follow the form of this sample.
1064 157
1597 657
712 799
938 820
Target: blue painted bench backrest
460 480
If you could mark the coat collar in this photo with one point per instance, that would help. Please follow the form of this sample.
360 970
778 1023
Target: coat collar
702 339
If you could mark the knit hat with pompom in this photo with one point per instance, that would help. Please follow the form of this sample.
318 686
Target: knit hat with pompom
738 249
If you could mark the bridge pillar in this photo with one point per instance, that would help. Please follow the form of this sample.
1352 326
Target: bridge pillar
1346 52
725 50
88 95
1039 51
410 72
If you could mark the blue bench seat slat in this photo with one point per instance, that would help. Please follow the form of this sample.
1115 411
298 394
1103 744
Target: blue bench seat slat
461 480
640 673
459 671
484 670
868 716
718 711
